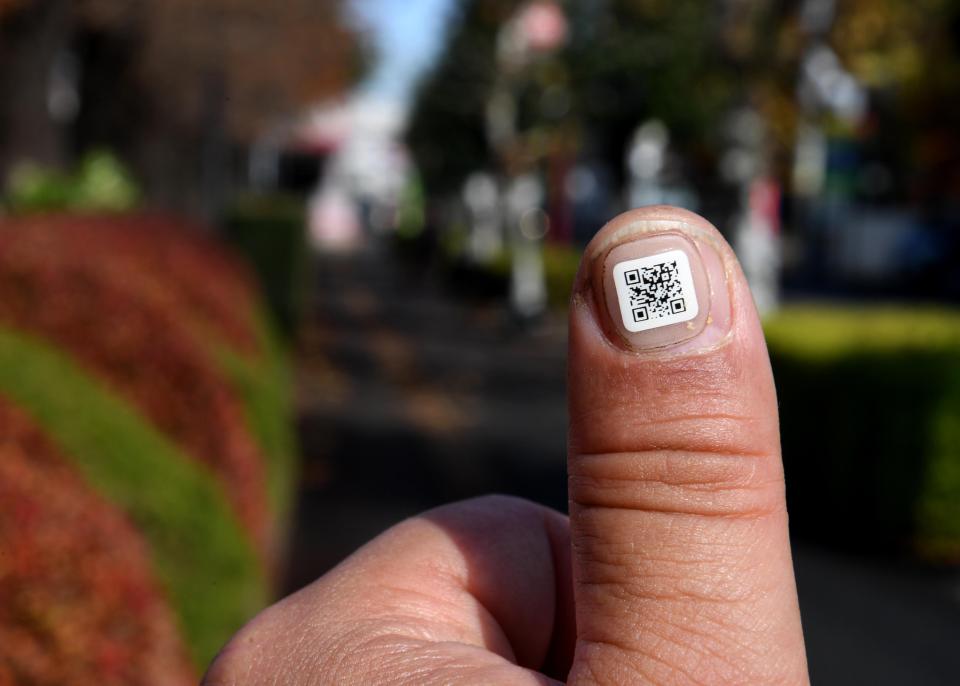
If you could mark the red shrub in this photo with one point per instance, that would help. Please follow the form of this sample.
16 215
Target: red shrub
101 304
158 256
78 601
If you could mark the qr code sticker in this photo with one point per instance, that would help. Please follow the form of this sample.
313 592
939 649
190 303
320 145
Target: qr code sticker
655 291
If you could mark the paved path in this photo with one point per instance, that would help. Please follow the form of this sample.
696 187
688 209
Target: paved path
410 397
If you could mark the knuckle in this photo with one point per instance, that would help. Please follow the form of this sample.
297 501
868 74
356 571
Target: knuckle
230 666
679 482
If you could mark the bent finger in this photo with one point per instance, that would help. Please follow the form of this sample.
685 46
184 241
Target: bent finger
475 592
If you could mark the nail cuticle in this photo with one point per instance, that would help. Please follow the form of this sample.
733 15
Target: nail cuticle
653 226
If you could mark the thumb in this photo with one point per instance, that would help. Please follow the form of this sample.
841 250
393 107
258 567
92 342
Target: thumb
682 562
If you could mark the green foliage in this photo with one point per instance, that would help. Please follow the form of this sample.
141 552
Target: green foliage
560 264
100 183
870 421
265 386
270 232
690 64
202 556
635 60
411 217
684 62
448 129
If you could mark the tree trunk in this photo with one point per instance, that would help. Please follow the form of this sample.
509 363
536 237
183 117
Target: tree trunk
31 39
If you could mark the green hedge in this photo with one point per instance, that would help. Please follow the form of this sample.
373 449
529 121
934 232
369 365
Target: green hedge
204 559
870 422
270 232
265 385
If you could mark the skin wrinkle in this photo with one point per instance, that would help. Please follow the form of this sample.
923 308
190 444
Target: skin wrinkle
624 438
672 480
398 658
637 669
681 482
636 405
717 468
364 640
589 412
423 662
426 661
664 586
617 589
673 512
453 577
711 421
723 621
687 637
697 375
450 581
709 547
422 656
727 503
471 668
699 641
692 548
411 662
440 624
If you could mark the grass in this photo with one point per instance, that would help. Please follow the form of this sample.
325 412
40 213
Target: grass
203 559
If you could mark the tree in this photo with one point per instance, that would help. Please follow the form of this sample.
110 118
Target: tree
448 127
32 36
690 63
684 61
176 85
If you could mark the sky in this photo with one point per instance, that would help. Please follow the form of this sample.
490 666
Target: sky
406 35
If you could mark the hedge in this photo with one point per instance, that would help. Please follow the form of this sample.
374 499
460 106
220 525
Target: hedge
185 339
870 423
141 350
270 231
80 602
204 559
265 386
166 259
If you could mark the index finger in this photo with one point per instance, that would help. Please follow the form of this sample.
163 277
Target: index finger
474 592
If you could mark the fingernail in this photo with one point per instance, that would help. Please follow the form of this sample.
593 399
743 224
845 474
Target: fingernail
663 288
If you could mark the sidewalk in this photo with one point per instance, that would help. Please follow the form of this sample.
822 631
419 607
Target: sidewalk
410 398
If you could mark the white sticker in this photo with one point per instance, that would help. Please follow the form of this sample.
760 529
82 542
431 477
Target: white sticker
655 291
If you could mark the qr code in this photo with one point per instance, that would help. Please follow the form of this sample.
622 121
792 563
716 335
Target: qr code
656 291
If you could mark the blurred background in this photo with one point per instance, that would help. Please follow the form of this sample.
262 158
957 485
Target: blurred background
274 276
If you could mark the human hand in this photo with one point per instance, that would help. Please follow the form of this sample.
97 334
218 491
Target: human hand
675 565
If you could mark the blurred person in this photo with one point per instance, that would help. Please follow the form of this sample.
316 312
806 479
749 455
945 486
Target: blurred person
674 565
